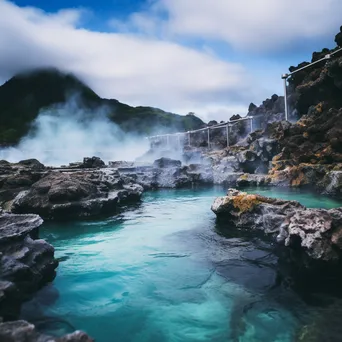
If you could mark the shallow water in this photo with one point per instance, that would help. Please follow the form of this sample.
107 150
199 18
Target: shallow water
164 271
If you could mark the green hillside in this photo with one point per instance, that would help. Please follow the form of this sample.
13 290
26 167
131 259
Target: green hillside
26 94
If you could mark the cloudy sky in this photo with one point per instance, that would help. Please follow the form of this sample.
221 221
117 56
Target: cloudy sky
212 57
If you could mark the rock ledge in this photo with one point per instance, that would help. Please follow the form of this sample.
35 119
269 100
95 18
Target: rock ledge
316 232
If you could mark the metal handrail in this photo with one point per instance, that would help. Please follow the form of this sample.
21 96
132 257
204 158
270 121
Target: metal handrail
287 75
221 125
208 128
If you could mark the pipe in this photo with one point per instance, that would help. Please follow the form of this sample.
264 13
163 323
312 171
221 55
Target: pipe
285 97
208 138
326 57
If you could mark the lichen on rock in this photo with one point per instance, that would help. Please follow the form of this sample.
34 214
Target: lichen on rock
316 232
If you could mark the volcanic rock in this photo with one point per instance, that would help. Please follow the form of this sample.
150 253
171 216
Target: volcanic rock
331 184
253 211
22 331
166 163
26 262
93 163
69 195
316 232
16 177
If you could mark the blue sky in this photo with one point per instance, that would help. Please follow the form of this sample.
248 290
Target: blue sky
100 11
103 7
212 57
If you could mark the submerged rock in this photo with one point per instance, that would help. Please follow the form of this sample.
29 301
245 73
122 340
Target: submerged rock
22 331
26 262
316 232
69 195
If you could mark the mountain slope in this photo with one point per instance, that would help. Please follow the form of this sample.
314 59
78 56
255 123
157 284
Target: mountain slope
26 94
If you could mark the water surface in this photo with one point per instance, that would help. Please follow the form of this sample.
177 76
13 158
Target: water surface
164 271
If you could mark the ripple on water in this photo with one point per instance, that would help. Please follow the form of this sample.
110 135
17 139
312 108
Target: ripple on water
163 272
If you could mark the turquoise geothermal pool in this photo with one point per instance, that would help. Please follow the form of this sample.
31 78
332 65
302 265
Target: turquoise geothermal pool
163 270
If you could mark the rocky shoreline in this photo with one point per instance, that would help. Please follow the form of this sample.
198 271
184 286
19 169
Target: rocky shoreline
27 263
78 192
64 193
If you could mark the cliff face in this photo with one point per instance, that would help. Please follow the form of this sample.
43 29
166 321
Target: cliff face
317 84
311 149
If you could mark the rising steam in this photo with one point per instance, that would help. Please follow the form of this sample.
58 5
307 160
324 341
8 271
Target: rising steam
68 132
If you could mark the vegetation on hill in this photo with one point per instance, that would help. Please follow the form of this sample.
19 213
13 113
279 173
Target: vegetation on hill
25 95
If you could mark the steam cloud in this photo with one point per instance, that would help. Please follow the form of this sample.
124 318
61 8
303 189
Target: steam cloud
68 132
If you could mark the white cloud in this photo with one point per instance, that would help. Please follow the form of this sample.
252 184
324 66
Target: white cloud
216 111
128 67
248 25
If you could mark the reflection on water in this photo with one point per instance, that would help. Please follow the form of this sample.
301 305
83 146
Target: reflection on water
164 271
